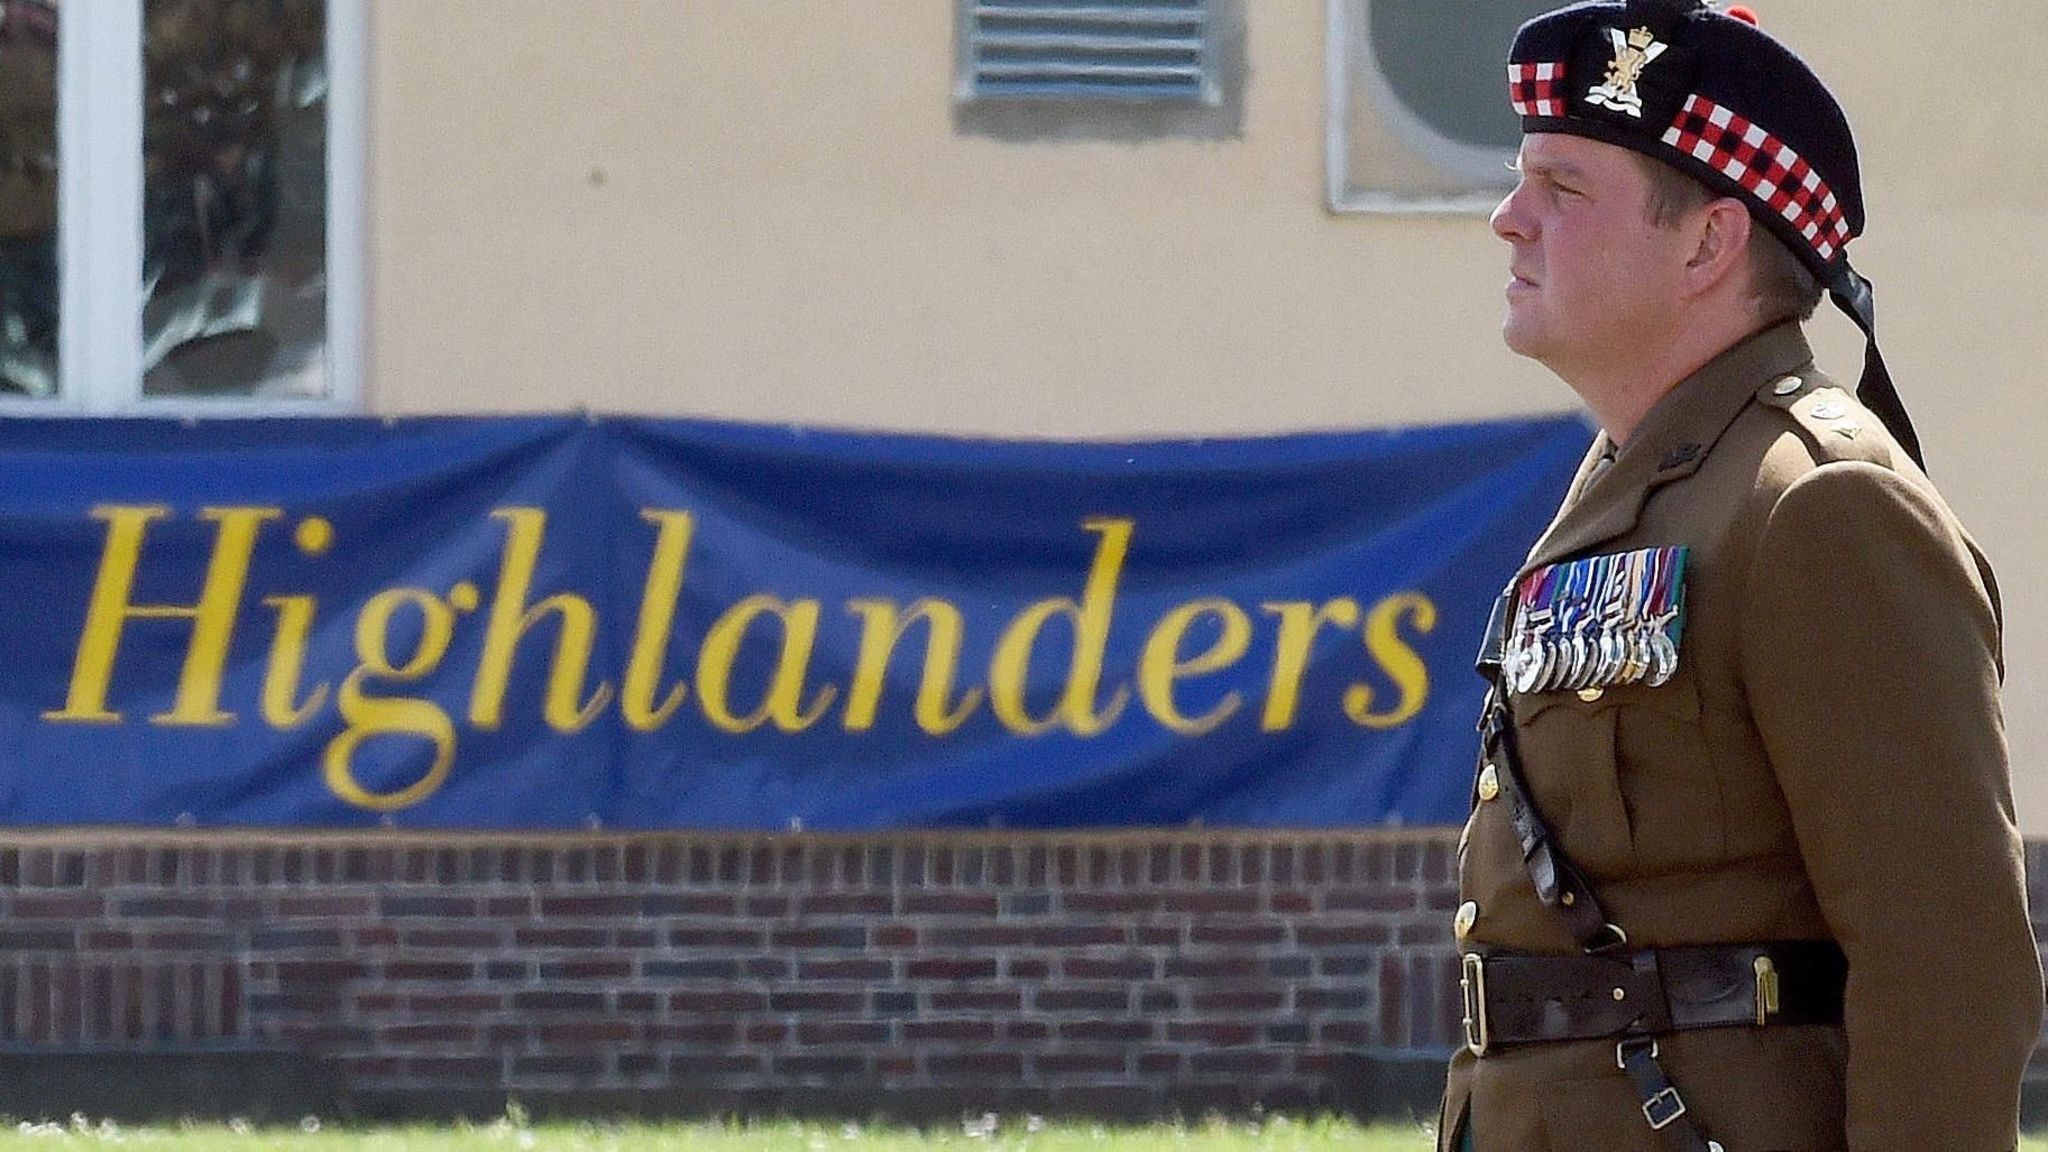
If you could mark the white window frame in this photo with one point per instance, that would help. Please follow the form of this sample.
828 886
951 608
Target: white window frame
99 222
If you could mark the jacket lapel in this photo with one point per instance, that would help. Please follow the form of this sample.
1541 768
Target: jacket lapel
1670 444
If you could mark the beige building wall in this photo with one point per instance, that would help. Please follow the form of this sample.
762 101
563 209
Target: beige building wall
760 210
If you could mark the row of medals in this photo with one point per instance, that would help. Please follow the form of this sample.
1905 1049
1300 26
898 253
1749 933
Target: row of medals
1599 622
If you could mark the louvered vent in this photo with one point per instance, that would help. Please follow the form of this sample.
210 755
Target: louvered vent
1136 50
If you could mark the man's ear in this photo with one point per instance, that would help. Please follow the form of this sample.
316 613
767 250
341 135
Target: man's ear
1720 244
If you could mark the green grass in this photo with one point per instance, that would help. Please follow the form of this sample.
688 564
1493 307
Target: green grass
1008 1134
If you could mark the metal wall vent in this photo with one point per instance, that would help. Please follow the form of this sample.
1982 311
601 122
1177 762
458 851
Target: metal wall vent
1144 51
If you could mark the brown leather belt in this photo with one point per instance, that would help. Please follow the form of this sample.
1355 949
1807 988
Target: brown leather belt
1513 998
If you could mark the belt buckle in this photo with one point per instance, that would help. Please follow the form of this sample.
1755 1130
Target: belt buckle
1472 981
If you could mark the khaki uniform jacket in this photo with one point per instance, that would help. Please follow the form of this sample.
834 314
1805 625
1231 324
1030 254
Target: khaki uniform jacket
1828 762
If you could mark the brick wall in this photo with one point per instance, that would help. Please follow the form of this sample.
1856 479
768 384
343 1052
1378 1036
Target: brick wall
910 972
915 974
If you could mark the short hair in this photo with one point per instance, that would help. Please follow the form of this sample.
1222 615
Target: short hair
1783 286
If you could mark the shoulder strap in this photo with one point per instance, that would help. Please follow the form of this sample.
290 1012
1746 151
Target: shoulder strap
1559 883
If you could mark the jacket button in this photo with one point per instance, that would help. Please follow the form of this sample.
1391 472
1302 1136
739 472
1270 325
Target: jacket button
1787 386
1468 915
1489 782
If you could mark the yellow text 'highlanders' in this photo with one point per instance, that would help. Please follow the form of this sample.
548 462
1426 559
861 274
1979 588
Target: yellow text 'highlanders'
650 691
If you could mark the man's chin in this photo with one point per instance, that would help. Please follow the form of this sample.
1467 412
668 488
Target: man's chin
1520 338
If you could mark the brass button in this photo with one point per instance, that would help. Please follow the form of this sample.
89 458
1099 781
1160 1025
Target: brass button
1489 782
1468 915
1787 386
1591 694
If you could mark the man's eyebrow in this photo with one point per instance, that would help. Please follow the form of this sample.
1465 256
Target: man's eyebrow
1550 169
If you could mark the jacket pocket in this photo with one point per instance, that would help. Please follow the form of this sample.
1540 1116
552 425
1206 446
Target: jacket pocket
1625 778
1568 763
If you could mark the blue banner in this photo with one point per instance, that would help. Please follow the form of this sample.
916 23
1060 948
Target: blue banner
633 623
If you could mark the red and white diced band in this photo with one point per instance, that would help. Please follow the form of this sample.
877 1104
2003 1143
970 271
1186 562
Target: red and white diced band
1766 167
1537 89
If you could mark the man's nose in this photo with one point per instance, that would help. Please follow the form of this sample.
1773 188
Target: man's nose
1508 220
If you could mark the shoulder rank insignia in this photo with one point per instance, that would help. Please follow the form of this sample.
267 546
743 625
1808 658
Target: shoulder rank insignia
1599 622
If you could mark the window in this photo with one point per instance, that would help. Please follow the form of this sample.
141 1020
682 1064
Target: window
1418 113
1100 68
180 206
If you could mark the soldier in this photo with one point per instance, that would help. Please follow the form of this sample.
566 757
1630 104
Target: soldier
1741 871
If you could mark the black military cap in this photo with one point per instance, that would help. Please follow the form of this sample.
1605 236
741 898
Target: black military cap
1713 95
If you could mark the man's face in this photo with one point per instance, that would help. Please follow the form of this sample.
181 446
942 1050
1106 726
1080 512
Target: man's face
1594 280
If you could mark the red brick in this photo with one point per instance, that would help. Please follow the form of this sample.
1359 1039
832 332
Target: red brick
1238 999
843 968
583 905
1228 966
1115 903
820 936
1028 967
587 968
555 1000
576 1032
767 1032
1213 1033
1133 966
447 1033
428 970
559 937
720 937
950 903
980 1066
951 968
895 936
950 1031
819 1032
1158 935
1321 935
802 1064
1290 902
848 903
1122 1031
695 1033
720 1002
1160 1063
57 906
1080 1063
1074 935
465 938
338 906
977 1000
979 936
1236 933
1213 900
454 1003
320 971
812 1000
1380 899
1114 999
1393 994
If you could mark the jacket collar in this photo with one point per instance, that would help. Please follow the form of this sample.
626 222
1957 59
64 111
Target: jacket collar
1671 442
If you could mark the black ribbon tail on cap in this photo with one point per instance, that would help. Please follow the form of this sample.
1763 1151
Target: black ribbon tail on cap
1853 295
